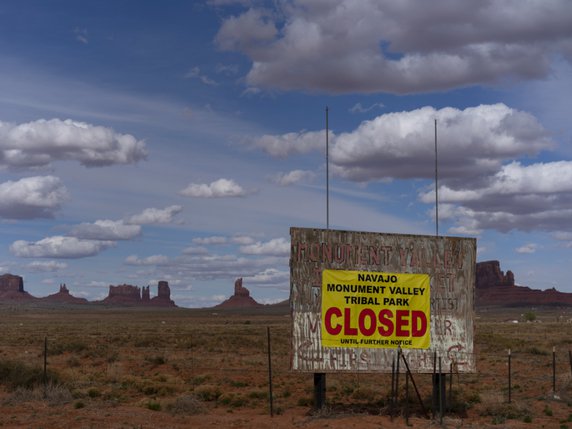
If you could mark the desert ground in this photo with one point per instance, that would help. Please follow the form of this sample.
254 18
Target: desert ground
185 368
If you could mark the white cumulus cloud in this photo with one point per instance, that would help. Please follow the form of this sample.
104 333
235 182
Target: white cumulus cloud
215 239
525 197
221 188
195 250
155 216
242 239
370 46
270 276
293 177
358 108
150 260
32 197
527 248
59 247
195 73
274 247
105 230
471 143
41 142
401 145
291 143
48 266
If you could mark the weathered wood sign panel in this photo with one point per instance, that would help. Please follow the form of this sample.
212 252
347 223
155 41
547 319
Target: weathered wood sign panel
357 296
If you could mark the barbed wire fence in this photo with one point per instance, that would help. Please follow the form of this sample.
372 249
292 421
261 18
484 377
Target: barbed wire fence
250 365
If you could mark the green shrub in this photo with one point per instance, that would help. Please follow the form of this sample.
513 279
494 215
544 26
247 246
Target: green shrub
260 394
238 402
226 398
156 360
305 402
207 393
154 406
238 383
536 351
501 412
233 400
58 348
474 398
150 390
199 379
93 393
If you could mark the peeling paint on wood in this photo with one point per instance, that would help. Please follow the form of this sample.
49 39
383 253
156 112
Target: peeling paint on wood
449 261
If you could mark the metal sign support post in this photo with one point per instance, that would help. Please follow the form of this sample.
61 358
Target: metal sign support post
319 390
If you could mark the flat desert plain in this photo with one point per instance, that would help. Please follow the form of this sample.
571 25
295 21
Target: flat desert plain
190 368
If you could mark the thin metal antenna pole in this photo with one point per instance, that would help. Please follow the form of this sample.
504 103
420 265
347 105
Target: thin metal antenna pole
327 173
320 377
436 186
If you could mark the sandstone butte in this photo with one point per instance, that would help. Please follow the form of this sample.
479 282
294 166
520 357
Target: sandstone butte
12 290
127 295
493 287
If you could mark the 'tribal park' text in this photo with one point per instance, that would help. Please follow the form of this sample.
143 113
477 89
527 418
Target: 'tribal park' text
375 310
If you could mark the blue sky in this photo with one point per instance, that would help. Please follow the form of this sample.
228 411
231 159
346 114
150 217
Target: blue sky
144 141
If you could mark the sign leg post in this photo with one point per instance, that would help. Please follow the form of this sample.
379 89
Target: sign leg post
439 394
319 390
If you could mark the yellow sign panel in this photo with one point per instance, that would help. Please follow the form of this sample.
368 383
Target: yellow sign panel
375 310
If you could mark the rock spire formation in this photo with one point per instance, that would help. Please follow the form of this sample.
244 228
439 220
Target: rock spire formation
64 296
240 299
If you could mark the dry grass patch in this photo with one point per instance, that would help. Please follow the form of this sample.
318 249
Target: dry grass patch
52 394
192 362
186 405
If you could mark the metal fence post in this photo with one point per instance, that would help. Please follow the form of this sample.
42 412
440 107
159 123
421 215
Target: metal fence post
509 377
270 399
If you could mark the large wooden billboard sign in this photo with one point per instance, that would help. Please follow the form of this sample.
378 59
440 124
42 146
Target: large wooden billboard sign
358 296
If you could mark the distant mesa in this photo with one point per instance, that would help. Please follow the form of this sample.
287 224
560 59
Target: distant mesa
12 290
489 275
494 287
240 299
128 295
